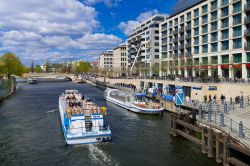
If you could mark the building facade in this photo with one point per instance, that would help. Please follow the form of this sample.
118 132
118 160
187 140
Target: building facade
120 60
143 47
106 60
207 38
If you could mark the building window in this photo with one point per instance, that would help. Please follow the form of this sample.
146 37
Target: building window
196 31
176 21
237 31
214 60
214 5
225 59
204 29
224 23
214 26
156 56
182 19
224 12
224 2
196 49
196 41
214 47
196 22
224 45
237 58
204 9
196 13
214 16
189 16
237 19
204 39
237 7
248 57
237 43
224 34
214 36
204 48
204 19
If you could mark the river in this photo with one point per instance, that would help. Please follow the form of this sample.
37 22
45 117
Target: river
30 134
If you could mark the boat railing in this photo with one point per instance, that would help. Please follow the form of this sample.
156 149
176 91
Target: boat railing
86 131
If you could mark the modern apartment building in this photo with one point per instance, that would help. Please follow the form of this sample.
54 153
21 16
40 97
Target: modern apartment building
143 47
106 60
120 60
207 38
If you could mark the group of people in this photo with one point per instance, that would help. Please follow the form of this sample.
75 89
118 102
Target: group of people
131 86
77 105
209 99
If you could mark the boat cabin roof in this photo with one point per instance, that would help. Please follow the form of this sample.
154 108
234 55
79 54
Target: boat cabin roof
140 95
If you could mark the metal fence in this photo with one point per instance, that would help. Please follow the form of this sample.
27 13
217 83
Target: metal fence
225 123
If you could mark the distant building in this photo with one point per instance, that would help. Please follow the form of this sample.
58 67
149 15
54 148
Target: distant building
120 60
143 47
106 60
43 67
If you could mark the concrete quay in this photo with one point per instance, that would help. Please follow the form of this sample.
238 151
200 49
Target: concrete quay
196 90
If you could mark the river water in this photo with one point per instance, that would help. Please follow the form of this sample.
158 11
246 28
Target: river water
30 134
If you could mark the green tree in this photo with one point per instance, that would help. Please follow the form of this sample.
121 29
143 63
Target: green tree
81 67
12 65
38 69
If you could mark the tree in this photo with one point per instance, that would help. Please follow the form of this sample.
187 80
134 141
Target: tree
12 65
32 67
81 67
38 69
47 66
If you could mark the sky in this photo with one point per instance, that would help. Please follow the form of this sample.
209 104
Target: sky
65 30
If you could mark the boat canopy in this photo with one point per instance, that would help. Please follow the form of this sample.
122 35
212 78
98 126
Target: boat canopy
140 95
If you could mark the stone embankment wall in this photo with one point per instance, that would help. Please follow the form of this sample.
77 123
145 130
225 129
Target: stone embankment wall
7 88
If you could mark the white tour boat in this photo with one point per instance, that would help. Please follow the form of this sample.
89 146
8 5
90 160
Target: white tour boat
82 121
32 81
136 103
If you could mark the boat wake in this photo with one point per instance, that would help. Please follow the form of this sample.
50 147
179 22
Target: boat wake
99 157
52 111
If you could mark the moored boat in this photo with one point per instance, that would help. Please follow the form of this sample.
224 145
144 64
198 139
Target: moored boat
32 81
82 121
137 102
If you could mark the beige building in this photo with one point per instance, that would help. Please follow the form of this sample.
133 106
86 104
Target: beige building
106 60
143 47
120 60
207 38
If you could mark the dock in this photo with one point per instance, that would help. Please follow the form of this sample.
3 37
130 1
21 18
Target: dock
221 130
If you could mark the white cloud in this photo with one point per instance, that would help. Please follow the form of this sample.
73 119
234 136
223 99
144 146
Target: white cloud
51 29
127 27
108 3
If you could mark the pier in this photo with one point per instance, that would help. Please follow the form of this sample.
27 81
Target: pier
221 130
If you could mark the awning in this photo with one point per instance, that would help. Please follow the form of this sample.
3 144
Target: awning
224 66
248 65
237 66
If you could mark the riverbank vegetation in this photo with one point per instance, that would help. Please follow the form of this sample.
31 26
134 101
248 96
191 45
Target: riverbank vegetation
10 64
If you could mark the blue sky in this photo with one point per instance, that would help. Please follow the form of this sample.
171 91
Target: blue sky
69 29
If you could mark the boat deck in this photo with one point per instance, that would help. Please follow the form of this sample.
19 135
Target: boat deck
121 98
